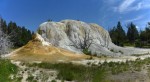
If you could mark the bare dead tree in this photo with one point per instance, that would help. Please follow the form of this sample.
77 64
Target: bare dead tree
5 43
83 43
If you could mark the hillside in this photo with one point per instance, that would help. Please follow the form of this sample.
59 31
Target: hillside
39 50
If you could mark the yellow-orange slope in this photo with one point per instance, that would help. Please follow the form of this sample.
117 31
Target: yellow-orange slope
34 50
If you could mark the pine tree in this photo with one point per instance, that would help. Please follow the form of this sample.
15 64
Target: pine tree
18 35
3 26
118 35
113 35
132 33
121 36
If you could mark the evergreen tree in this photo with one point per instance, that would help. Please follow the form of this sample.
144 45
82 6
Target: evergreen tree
145 34
118 35
3 26
113 35
18 35
121 36
132 33
148 32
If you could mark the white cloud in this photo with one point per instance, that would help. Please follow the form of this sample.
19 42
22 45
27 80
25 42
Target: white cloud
141 5
135 19
132 5
137 27
124 5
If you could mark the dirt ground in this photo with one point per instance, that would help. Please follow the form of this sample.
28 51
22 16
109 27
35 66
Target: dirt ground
132 76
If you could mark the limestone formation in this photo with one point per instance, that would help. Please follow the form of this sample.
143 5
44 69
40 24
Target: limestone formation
68 34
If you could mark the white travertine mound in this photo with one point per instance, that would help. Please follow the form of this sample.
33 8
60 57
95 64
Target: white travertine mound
44 43
66 33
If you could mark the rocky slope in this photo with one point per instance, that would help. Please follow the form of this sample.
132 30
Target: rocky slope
39 50
70 34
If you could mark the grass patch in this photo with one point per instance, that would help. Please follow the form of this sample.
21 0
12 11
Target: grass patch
92 73
6 69
79 73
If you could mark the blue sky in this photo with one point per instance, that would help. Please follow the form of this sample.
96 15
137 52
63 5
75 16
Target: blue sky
31 13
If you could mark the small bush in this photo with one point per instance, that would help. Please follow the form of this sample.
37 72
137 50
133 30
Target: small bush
53 81
90 58
19 78
30 78
87 52
112 50
120 52
67 75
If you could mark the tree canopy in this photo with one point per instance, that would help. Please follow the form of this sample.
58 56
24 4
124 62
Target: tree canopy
118 34
18 35
132 36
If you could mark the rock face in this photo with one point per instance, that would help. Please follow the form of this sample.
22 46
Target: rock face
71 34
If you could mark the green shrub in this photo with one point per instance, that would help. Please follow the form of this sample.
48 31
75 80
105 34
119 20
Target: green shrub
30 78
90 58
120 52
19 78
87 52
66 75
53 81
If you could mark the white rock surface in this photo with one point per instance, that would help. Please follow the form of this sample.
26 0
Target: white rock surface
64 33
44 43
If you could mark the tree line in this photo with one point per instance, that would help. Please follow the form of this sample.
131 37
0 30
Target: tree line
132 37
18 35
